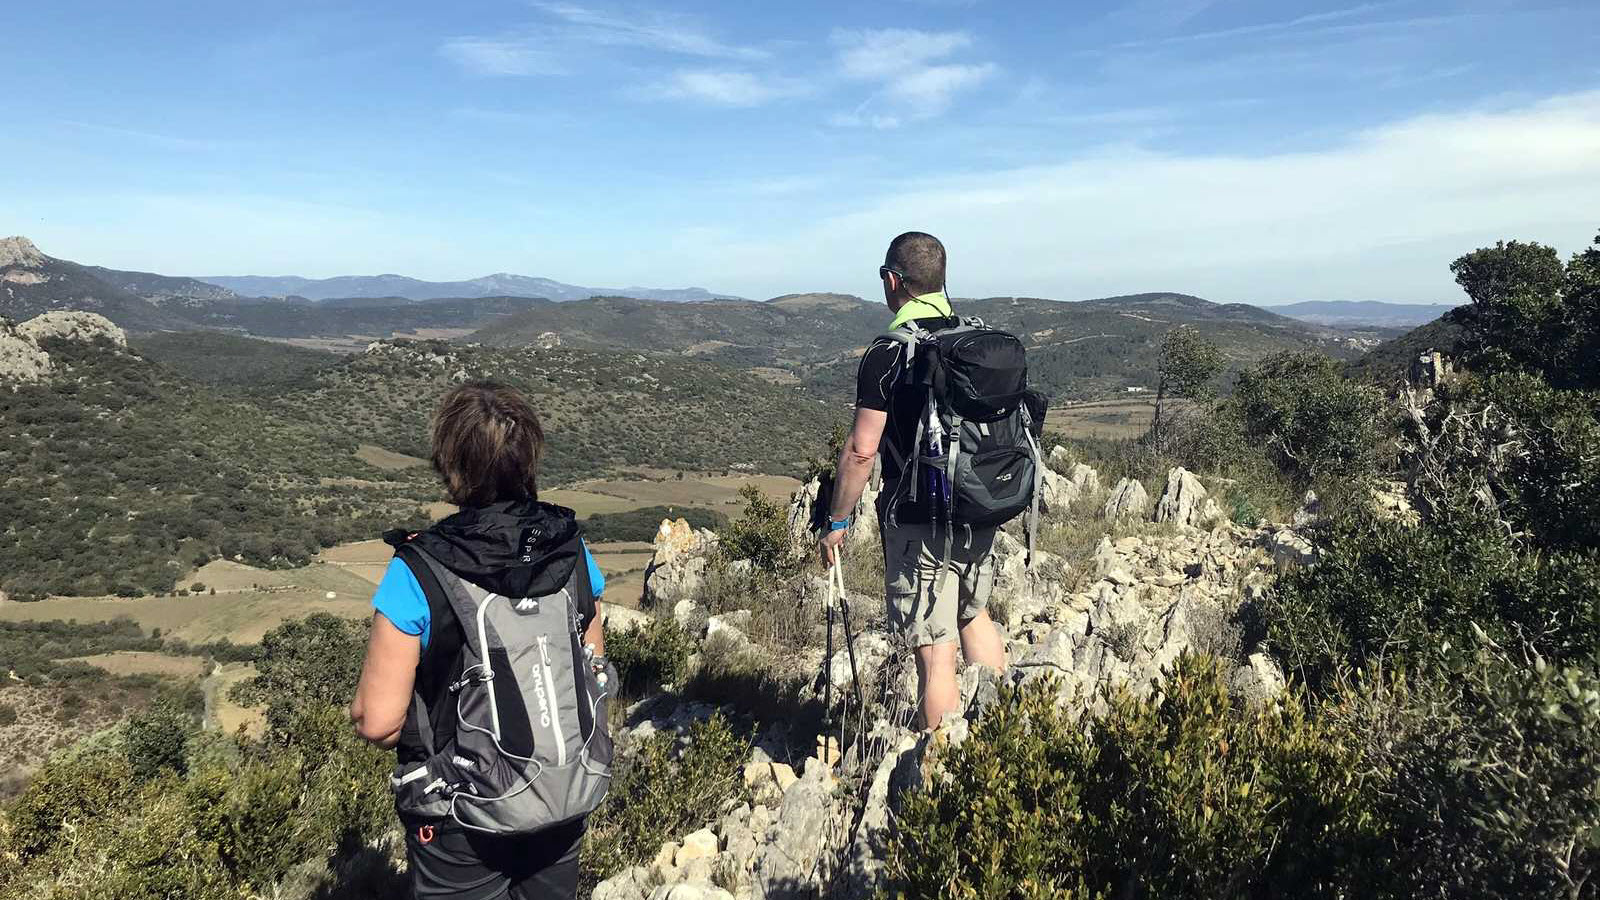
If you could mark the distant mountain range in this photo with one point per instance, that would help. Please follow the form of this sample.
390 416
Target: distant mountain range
1358 313
498 285
1077 349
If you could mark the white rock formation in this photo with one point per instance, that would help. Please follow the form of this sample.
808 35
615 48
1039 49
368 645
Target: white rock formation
1185 501
73 325
1128 500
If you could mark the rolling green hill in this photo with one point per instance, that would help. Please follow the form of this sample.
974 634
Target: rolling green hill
123 471
213 357
604 412
120 474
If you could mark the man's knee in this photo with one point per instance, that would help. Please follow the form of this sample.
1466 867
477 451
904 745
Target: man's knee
937 659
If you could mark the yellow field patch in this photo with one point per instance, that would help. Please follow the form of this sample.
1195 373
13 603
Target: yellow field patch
227 715
388 460
228 576
1102 418
146 662
242 616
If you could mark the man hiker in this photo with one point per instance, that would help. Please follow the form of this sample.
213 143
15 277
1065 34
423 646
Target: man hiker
928 612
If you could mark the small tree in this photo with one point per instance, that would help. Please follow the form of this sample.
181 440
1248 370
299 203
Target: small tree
1187 367
1313 422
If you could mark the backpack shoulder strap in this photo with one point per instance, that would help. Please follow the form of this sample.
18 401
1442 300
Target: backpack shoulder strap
440 662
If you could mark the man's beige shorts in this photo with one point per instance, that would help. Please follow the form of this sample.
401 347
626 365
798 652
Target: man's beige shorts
911 565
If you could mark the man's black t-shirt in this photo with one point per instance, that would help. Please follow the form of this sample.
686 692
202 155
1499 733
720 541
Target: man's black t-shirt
878 386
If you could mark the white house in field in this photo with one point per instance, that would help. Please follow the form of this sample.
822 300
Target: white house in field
1135 390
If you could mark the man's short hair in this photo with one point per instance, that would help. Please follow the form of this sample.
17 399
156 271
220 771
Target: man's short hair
920 258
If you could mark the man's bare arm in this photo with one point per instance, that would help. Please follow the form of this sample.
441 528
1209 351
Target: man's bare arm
856 459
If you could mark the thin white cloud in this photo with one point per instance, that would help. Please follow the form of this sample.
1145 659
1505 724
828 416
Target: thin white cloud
1379 215
150 138
649 29
882 54
500 56
724 87
908 67
932 88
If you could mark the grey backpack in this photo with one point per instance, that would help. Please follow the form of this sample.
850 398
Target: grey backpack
520 743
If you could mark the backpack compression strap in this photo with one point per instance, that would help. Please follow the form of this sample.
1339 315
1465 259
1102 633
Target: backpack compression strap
433 669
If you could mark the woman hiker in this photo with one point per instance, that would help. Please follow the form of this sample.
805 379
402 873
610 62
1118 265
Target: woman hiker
486 668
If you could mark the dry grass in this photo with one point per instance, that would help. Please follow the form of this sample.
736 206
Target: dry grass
145 662
1103 418
387 460
227 715
242 617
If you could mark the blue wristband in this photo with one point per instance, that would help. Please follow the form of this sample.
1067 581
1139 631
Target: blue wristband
838 525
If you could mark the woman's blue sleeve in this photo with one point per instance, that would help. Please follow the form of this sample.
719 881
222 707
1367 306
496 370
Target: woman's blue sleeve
400 599
597 579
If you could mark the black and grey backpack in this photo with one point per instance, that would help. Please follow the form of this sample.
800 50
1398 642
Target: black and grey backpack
510 714
975 458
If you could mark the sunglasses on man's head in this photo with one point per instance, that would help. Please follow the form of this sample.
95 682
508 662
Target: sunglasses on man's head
883 272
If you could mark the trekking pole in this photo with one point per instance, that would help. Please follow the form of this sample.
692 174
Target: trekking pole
827 666
836 578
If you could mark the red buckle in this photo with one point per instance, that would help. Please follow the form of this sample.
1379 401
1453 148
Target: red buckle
425 834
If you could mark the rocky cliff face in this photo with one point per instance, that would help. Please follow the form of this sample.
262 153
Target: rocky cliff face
1173 581
21 357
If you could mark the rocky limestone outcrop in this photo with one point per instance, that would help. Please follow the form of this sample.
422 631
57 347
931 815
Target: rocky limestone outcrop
1128 500
1137 604
1186 501
678 568
21 359
73 325
805 518
19 252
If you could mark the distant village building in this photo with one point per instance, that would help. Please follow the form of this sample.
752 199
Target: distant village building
1135 390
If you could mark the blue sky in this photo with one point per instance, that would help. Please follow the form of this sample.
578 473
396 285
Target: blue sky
1236 149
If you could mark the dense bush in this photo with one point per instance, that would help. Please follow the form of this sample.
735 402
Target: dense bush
1515 448
1475 776
663 791
1180 795
649 655
1315 424
313 662
1384 590
760 535
1485 775
151 813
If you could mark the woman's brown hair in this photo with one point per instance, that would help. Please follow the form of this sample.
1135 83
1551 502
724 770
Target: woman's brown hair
487 442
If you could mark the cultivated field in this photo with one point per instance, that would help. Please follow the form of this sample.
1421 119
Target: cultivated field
239 616
146 662
1102 418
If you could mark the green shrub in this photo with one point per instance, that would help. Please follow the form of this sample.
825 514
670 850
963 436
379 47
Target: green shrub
1181 795
649 655
8 714
661 792
1485 774
69 792
1516 447
305 663
1385 590
760 534
157 739
1316 425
